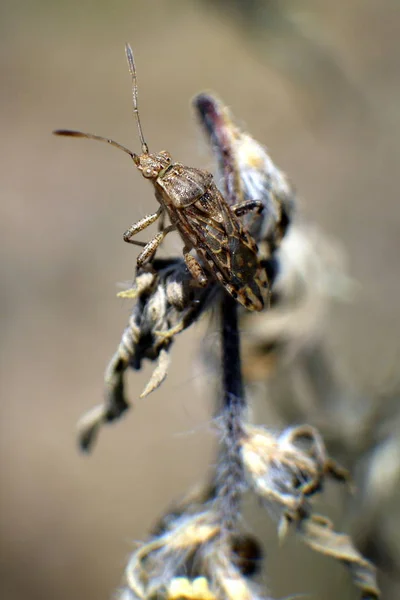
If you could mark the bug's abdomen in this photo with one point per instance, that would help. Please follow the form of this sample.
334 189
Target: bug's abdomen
233 261
228 251
247 278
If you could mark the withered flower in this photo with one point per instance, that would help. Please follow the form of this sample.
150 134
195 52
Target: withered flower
286 468
165 303
249 173
193 559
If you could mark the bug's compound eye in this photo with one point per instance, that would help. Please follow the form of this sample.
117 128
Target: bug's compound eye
148 172
165 156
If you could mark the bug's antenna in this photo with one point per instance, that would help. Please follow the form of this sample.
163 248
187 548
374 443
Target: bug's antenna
132 71
91 136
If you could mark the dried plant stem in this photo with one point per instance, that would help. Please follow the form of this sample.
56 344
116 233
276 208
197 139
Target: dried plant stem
230 474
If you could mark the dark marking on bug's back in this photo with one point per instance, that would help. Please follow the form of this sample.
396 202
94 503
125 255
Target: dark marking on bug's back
244 262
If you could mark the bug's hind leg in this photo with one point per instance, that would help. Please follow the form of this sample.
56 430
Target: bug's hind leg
242 208
139 226
150 248
161 221
195 268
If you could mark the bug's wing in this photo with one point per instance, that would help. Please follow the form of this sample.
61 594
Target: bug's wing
230 252
183 185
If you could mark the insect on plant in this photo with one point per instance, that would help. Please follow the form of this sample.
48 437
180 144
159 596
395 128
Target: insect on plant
198 211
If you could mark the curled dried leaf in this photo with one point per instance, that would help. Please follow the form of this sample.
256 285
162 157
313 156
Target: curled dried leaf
286 470
317 532
159 373
165 303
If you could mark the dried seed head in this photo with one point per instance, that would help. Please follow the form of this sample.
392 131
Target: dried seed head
156 565
249 173
193 558
165 303
286 469
305 269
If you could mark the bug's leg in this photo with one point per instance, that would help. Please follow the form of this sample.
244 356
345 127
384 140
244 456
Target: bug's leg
161 221
150 248
139 226
242 208
195 268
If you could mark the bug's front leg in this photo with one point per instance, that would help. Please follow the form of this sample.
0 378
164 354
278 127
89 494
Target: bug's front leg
139 226
150 248
242 208
195 268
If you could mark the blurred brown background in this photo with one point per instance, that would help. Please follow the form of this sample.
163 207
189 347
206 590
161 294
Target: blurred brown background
319 84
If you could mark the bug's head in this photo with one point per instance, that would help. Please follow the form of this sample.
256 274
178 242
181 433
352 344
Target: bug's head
151 165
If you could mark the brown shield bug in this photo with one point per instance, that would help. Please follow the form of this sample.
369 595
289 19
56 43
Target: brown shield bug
198 211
